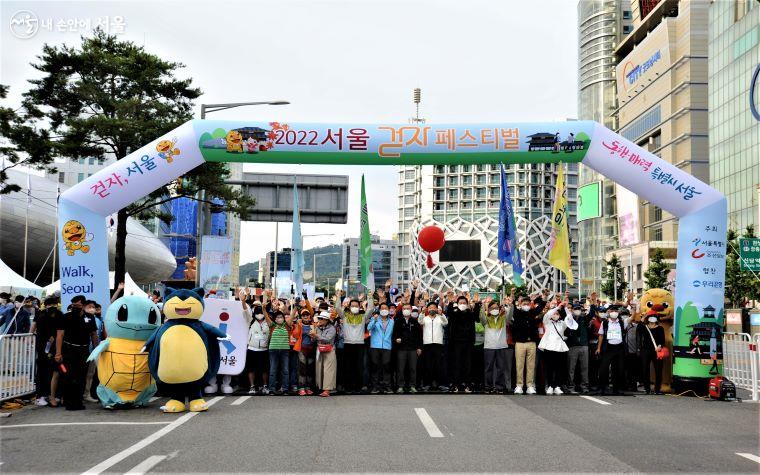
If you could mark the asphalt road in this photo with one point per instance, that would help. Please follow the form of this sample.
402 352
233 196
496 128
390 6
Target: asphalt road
404 433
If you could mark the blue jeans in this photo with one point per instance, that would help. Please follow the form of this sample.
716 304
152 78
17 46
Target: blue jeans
278 363
293 367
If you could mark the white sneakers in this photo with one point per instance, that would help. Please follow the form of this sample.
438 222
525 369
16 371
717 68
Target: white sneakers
41 401
518 390
531 390
558 391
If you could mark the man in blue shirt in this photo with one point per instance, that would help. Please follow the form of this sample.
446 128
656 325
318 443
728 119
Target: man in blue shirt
381 334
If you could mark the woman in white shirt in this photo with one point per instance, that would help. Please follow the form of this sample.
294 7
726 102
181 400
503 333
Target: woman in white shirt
432 325
553 346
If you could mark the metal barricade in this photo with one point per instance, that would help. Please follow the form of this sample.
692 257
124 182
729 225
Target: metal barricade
741 361
17 365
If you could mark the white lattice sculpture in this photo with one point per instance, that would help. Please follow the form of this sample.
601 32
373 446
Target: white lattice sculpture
533 237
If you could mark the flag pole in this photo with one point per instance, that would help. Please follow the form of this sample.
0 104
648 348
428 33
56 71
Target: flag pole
26 219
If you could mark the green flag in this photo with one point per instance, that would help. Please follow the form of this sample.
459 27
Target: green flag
365 245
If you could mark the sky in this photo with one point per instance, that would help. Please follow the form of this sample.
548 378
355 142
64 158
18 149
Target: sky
336 61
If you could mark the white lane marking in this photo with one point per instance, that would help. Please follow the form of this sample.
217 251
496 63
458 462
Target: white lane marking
51 424
752 457
146 465
111 461
427 421
240 400
598 401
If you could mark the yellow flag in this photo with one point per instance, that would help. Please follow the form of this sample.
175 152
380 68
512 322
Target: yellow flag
559 251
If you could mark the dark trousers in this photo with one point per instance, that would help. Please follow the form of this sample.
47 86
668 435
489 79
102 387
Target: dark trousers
279 361
293 366
353 361
646 358
477 368
307 368
632 371
554 367
461 360
593 366
495 368
381 368
432 355
612 356
44 372
406 360
75 360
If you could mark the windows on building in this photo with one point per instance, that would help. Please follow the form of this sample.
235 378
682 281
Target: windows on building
655 233
91 161
61 177
409 174
80 177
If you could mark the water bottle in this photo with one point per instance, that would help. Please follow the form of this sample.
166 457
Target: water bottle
48 346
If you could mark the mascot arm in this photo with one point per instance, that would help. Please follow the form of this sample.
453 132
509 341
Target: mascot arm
98 350
151 340
213 331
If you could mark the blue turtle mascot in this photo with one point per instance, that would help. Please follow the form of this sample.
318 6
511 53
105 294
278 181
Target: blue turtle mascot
184 352
125 379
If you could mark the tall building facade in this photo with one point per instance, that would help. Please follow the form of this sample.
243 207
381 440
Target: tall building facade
661 77
734 54
601 26
70 172
464 200
384 261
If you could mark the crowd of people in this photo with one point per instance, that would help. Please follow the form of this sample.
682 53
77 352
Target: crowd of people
385 342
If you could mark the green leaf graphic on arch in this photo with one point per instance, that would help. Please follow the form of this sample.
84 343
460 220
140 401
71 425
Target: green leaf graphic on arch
688 315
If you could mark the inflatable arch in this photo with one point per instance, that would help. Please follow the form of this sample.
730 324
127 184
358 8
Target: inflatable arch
701 210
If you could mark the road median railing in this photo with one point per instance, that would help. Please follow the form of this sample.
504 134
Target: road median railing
17 365
741 361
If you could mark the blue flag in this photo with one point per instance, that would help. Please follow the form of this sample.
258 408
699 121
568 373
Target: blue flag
297 263
508 250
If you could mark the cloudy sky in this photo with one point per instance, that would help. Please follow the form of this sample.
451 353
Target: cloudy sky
338 61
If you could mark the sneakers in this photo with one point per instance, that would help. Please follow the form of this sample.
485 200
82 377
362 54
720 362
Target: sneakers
400 391
518 390
549 390
302 392
467 389
531 390
252 391
324 393
558 391
309 392
413 390
41 401
265 391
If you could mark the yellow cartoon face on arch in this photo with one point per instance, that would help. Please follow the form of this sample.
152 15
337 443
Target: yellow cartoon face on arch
234 141
74 236
658 301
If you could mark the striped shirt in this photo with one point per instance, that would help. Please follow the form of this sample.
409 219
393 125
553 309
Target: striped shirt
279 339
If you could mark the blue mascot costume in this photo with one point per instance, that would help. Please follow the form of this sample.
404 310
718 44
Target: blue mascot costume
125 379
184 352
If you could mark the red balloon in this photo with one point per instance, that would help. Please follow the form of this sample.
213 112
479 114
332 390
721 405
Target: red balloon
431 238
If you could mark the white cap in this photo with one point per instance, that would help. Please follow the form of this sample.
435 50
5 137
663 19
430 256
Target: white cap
324 315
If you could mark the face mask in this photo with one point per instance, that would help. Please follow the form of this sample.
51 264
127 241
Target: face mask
602 315
431 313
613 315
494 312
577 313
525 308
259 316
384 313
415 314
90 311
354 310
407 312
652 319
462 307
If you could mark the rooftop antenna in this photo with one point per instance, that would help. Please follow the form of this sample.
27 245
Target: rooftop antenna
417 99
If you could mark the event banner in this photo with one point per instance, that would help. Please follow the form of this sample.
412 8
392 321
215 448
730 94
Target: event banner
227 315
628 216
392 144
216 264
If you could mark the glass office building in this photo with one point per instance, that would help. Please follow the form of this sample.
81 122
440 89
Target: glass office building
734 53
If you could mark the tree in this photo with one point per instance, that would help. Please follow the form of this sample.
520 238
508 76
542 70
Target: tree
614 285
21 143
741 285
110 97
656 275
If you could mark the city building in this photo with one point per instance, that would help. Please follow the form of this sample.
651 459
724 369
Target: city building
70 172
601 25
464 200
266 263
384 259
661 76
734 54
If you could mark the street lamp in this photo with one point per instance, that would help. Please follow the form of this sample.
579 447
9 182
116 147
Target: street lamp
201 195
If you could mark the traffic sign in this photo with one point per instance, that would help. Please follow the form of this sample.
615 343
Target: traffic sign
749 254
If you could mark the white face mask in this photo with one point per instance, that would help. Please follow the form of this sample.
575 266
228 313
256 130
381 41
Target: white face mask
494 312
577 313
462 306
602 315
613 315
652 319
407 312
525 308
17 304
384 313
415 314
259 316
354 310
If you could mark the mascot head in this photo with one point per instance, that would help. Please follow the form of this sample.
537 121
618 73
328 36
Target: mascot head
657 302
132 318
182 303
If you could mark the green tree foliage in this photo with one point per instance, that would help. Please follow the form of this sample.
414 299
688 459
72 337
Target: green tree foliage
614 278
108 97
741 285
656 275
21 143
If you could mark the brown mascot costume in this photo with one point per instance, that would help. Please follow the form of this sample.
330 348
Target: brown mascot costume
659 302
